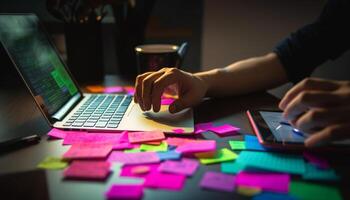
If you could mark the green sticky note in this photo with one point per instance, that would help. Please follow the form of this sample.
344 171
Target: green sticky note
314 173
52 163
310 191
221 155
135 150
231 167
154 148
237 145
279 162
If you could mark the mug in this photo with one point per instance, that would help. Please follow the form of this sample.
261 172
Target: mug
153 57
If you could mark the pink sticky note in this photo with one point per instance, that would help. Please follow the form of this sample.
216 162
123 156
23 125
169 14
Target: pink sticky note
134 158
316 160
165 181
87 170
129 170
129 90
202 127
166 101
88 150
84 137
132 192
218 181
198 146
124 137
175 141
138 137
224 129
57 133
273 182
184 166
178 130
113 89
124 145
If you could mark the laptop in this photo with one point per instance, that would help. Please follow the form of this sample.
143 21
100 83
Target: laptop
57 94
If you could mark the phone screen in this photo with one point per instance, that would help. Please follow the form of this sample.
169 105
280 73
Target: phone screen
282 131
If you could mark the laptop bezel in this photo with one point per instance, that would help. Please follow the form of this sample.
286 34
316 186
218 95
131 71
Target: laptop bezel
47 116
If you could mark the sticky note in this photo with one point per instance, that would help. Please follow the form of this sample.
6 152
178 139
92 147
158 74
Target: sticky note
252 143
166 101
135 150
197 146
165 181
133 158
139 170
169 155
202 127
232 167
278 162
303 190
273 196
162 147
209 154
267 181
248 191
237 145
87 170
221 155
84 137
52 163
57 133
178 130
316 160
315 173
88 151
119 191
130 90
218 181
123 145
95 88
113 89
184 166
175 141
153 142
224 129
139 137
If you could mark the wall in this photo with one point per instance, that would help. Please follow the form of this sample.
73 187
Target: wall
238 29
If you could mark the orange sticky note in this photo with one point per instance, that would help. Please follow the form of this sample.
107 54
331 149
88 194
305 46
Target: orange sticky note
145 136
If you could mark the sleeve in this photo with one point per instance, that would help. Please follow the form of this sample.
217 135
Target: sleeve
327 38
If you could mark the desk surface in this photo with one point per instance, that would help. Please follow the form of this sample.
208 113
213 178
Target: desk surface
228 110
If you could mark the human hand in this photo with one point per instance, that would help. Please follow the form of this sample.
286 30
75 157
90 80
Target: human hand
320 107
150 86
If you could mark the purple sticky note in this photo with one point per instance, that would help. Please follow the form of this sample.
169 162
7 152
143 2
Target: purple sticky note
139 170
84 137
113 89
88 151
134 158
225 129
185 166
118 191
197 146
218 181
57 133
165 181
316 160
87 170
202 127
166 101
178 130
267 181
130 90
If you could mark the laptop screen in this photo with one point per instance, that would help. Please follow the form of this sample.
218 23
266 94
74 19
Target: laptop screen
37 61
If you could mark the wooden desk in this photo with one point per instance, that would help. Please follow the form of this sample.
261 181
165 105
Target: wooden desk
227 110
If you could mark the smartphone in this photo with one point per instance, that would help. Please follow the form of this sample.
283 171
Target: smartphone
274 132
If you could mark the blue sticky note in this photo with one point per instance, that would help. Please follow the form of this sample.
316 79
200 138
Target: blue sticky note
273 196
314 173
232 167
278 162
252 143
169 155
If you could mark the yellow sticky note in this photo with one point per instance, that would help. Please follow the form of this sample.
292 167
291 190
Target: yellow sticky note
52 163
237 145
248 191
132 150
147 147
221 155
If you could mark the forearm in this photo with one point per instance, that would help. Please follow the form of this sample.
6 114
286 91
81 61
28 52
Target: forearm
246 76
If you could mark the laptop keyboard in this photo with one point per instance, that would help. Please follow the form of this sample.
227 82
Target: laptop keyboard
100 111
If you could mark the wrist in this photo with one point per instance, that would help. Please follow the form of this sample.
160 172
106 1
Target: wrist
208 79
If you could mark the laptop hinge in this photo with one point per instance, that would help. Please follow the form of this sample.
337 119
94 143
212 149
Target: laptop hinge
66 108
